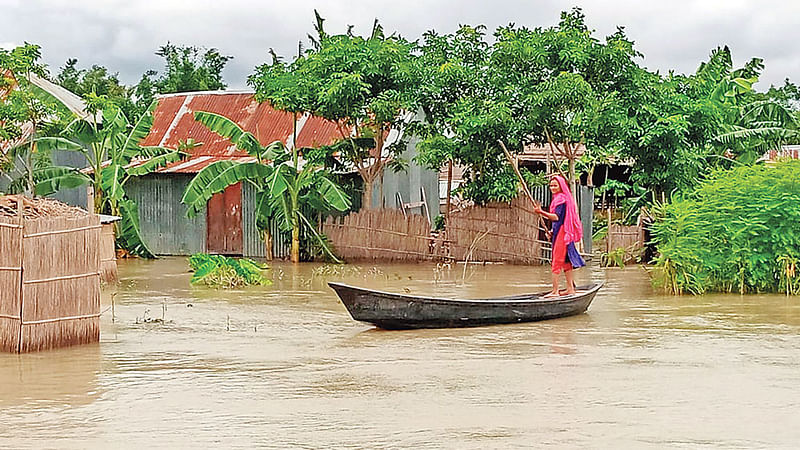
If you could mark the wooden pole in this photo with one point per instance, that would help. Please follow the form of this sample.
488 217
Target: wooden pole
510 159
21 218
449 185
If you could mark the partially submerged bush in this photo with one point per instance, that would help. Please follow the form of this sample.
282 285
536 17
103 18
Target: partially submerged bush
221 271
738 231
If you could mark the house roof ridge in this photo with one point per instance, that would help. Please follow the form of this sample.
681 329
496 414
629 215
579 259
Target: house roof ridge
216 92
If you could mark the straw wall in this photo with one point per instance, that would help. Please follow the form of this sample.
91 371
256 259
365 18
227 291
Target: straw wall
496 232
10 263
108 254
59 303
380 234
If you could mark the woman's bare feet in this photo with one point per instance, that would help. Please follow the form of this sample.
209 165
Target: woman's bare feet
551 295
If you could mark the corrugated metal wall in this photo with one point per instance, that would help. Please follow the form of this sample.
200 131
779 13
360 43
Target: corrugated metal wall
253 244
76 196
408 184
162 216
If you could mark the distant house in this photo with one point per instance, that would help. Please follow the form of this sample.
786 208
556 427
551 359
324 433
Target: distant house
227 226
786 151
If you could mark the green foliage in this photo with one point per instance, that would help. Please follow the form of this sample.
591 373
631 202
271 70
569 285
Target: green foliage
186 69
438 223
23 105
533 179
737 231
109 149
97 80
285 192
360 83
614 258
222 272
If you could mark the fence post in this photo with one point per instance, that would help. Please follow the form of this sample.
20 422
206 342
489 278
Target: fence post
21 219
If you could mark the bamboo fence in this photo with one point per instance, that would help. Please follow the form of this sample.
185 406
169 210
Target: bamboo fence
380 234
49 279
497 232
621 236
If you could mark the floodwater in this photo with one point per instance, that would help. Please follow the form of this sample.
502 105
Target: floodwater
285 366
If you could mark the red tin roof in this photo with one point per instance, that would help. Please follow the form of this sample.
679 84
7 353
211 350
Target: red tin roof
173 121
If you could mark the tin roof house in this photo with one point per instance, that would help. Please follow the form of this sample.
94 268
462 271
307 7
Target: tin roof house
228 224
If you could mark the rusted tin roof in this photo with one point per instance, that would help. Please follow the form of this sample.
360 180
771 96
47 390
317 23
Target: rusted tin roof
173 121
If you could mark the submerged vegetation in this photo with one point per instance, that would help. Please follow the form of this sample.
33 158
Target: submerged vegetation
736 232
223 272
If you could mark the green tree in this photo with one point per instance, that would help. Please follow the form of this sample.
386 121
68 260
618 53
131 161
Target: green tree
98 80
465 113
566 87
186 69
734 231
24 110
363 84
285 188
679 117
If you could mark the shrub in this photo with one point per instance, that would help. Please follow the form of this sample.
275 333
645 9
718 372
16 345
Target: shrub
739 230
221 271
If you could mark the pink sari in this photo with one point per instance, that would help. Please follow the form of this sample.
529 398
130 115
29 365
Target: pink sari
573 230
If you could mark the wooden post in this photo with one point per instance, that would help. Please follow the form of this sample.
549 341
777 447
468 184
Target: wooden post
21 219
449 184
608 233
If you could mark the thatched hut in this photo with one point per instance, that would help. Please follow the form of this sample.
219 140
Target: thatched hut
49 275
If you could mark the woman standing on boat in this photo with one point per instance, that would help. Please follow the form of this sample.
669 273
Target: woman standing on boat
567 230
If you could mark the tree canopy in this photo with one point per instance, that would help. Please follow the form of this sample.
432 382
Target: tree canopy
363 84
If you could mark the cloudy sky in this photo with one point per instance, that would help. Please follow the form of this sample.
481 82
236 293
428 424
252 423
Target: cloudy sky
123 35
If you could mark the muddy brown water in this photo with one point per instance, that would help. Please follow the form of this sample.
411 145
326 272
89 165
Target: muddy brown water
286 367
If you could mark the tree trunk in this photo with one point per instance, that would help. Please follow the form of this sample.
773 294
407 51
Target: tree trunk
267 236
296 242
29 161
572 182
381 200
98 198
366 196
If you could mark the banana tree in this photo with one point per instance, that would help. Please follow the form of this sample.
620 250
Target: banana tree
110 146
285 186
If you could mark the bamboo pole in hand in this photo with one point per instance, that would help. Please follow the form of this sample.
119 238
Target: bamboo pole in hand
539 221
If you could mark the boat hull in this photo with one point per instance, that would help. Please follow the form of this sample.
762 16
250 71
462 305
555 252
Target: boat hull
397 311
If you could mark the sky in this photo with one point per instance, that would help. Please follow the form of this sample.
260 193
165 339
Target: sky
123 35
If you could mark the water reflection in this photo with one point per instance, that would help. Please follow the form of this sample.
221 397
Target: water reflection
68 376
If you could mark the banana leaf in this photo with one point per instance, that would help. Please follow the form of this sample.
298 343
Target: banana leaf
218 176
231 130
52 179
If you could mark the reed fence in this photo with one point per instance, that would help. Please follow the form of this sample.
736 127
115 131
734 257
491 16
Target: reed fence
622 236
380 234
49 279
497 232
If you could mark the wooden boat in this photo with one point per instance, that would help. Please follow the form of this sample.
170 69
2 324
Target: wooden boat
399 311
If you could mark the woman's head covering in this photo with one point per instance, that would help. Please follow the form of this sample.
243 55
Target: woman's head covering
573 230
